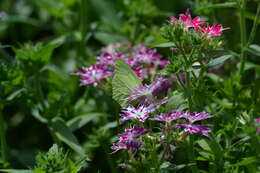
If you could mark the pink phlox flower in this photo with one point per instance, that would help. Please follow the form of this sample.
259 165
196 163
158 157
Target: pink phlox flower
195 23
2 15
92 74
139 71
212 31
155 104
202 129
146 92
185 18
118 146
131 139
108 59
164 86
130 61
173 115
194 116
163 63
138 48
140 113
258 121
113 48
147 56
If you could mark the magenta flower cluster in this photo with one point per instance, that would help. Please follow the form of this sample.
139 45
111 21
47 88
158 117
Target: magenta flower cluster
143 61
258 124
131 139
198 25
191 117
148 101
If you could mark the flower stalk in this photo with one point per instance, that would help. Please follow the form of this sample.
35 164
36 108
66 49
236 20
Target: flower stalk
242 22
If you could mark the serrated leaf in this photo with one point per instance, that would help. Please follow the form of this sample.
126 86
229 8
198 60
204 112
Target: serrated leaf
35 53
63 132
80 121
123 82
218 60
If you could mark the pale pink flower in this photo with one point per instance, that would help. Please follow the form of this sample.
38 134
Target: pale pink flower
93 74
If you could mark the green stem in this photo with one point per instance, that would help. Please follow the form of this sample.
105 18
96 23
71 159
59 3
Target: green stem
187 74
253 31
83 26
180 82
242 21
191 155
2 137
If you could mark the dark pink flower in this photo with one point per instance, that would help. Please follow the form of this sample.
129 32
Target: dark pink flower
141 113
113 48
131 139
196 24
146 56
257 120
187 20
194 116
93 74
2 15
108 59
202 129
173 115
147 93
212 31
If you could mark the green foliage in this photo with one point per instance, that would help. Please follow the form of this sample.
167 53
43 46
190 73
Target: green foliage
56 161
35 53
62 132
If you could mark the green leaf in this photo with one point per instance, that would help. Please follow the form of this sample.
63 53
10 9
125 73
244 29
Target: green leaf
67 38
109 126
181 166
123 82
218 60
36 114
80 121
107 12
169 44
15 171
63 132
254 49
219 5
35 53
245 161
175 101
204 145
55 8
16 93
248 77
108 38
